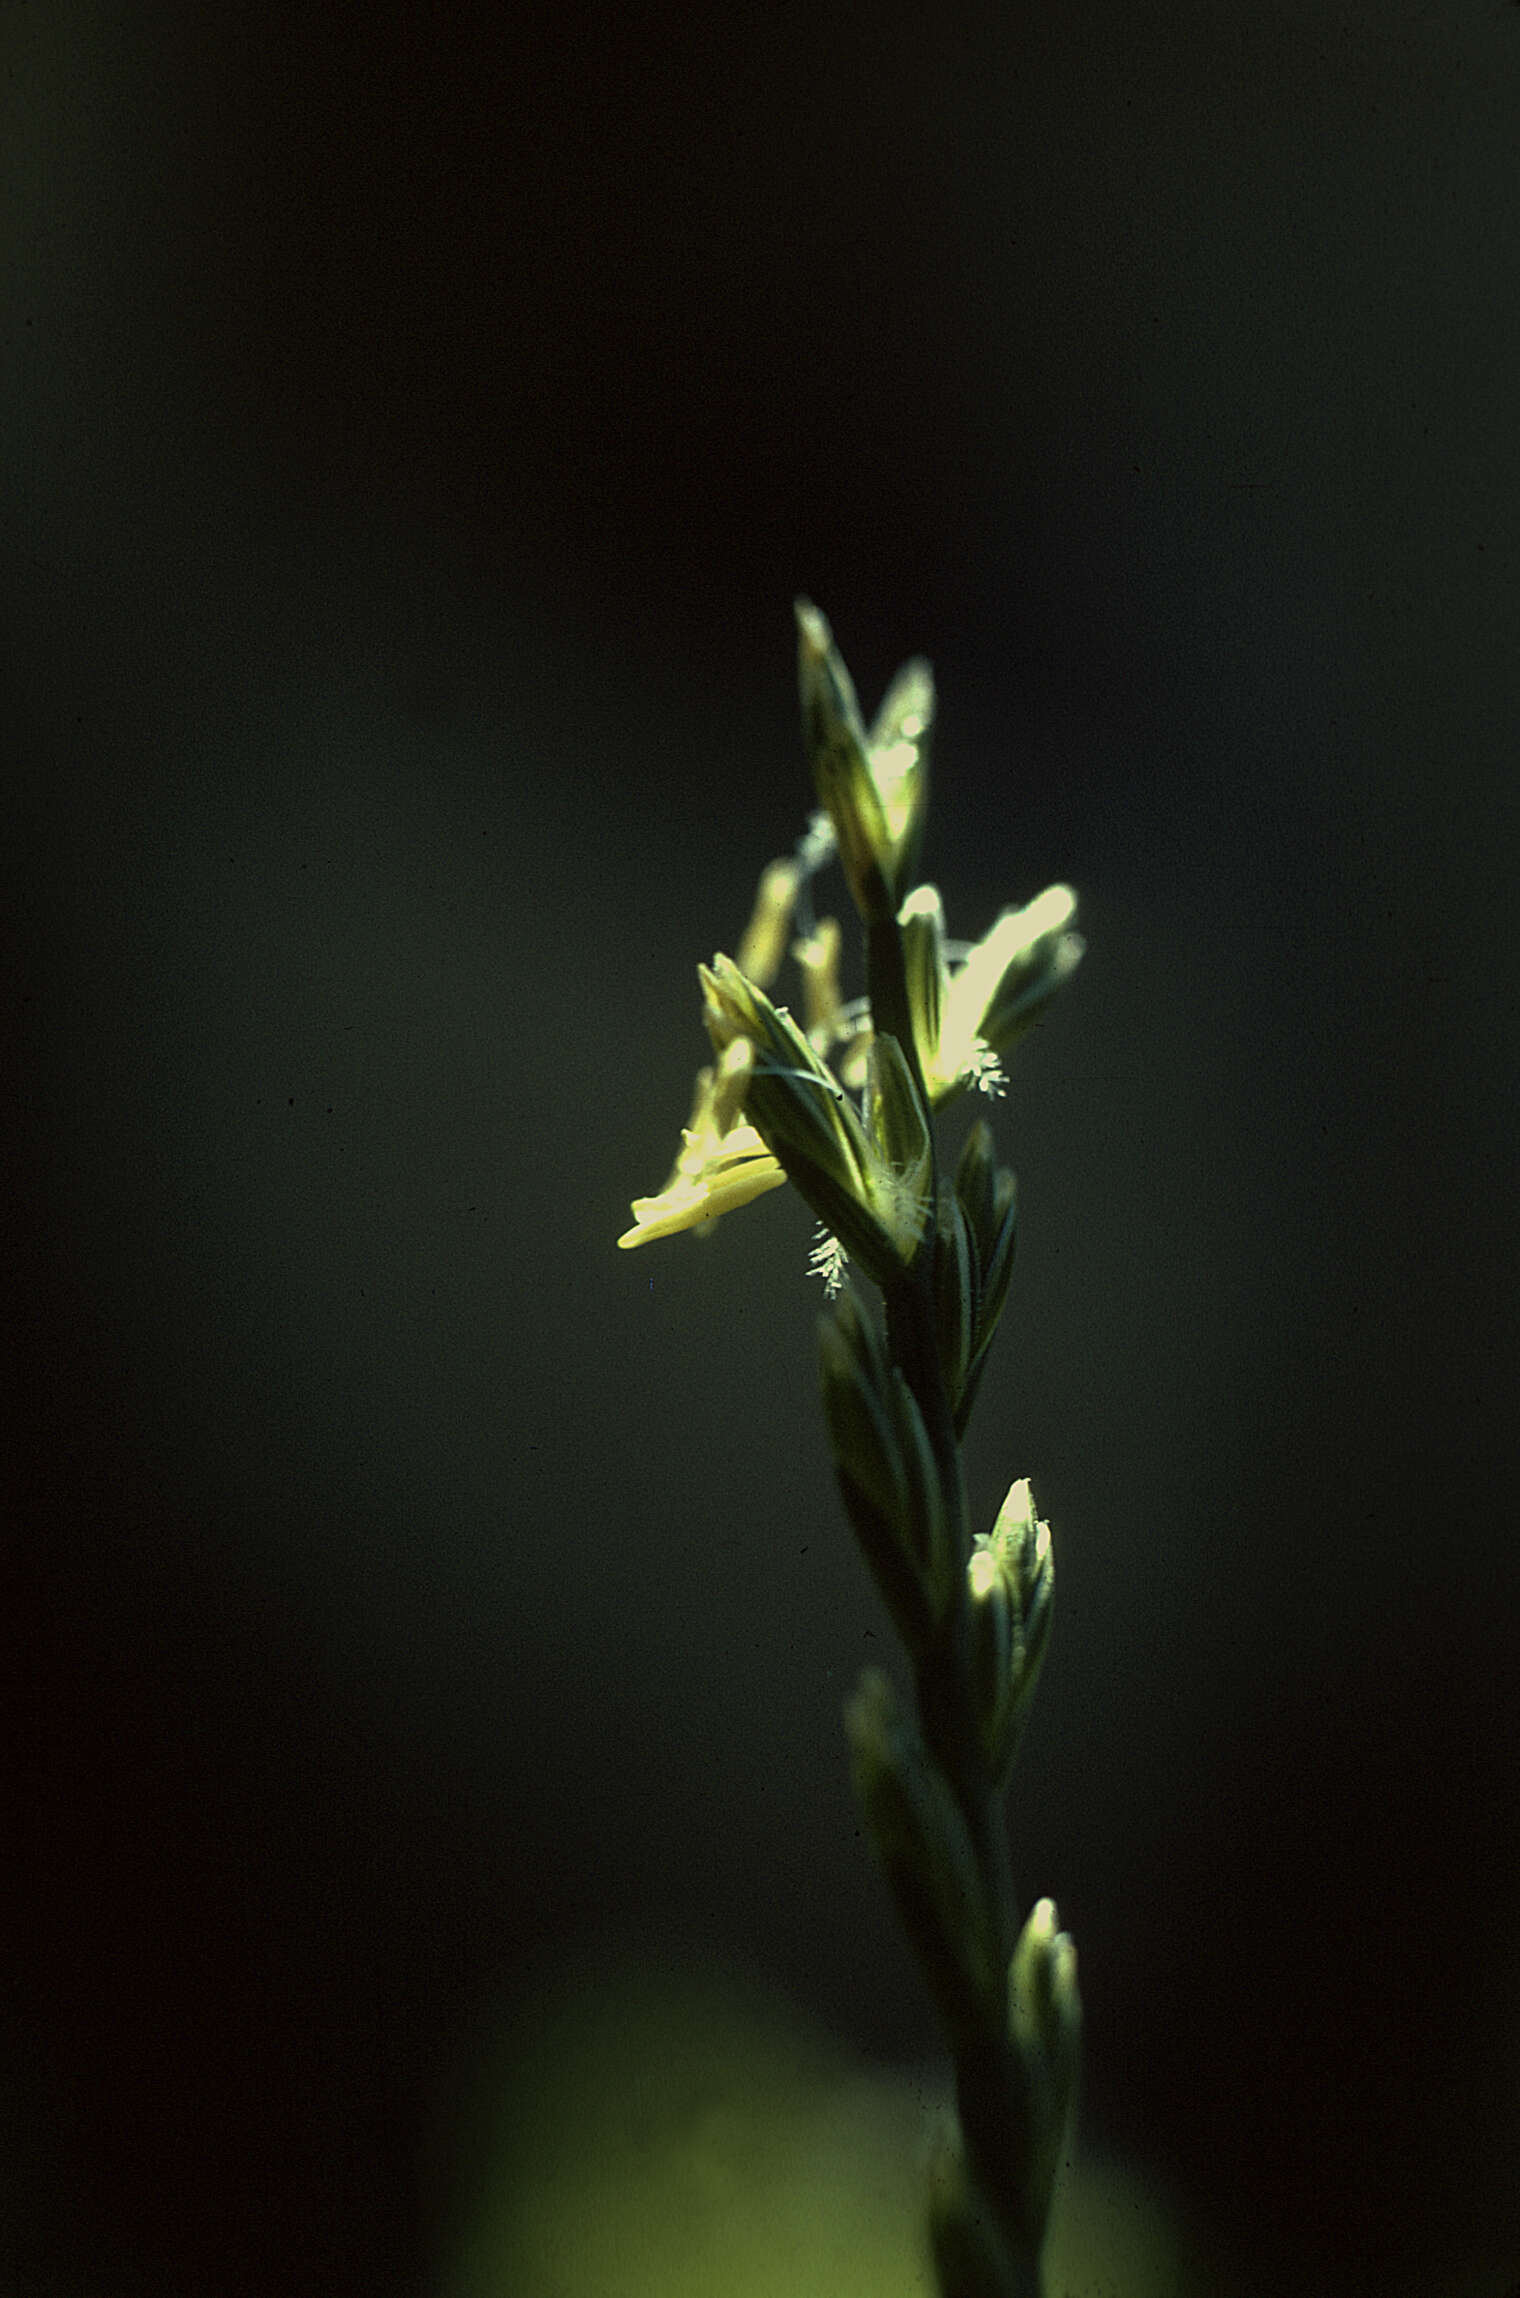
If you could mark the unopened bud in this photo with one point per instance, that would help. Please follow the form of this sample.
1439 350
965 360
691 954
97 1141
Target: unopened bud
1010 1580
1045 2025
874 787
764 942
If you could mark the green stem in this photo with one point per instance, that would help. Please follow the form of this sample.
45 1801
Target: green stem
991 2087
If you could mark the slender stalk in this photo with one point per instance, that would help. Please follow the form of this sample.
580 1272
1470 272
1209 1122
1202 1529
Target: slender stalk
991 2082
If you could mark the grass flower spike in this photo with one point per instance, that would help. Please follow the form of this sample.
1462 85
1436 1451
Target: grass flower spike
965 1018
723 1162
866 1175
874 786
843 1105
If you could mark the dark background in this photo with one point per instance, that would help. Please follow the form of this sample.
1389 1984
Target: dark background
416 425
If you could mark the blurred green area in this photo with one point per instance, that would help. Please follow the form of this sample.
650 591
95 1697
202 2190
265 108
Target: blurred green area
649 2134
